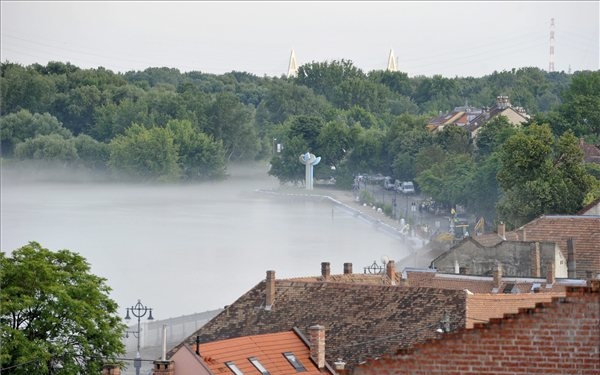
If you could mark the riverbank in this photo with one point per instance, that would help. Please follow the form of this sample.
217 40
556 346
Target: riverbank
422 250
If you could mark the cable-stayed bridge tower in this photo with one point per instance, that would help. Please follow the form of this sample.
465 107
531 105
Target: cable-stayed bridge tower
293 66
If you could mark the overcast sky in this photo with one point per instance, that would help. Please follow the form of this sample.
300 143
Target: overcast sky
445 37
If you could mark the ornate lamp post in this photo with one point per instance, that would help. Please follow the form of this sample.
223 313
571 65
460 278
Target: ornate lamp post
138 311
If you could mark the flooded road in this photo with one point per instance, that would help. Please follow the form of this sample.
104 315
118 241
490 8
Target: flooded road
183 249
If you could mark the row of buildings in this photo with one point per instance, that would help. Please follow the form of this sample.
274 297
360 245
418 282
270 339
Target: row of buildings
509 302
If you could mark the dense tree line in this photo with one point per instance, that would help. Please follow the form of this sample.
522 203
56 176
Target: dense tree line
164 125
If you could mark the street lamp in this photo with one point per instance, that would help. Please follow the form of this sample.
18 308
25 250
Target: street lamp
139 311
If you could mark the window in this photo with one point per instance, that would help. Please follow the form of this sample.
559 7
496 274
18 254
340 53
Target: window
294 361
234 368
508 288
258 366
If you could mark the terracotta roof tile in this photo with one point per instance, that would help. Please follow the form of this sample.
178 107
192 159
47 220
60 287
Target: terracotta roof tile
361 320
483 307
267 348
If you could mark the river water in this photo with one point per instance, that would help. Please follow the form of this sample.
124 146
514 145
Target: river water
183 249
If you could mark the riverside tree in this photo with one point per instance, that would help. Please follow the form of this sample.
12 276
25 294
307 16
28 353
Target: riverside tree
541 174
55 316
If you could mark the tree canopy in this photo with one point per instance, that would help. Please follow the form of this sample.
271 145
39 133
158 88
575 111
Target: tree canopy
55 314
160 124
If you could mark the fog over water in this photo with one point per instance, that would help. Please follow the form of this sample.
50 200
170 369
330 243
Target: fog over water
183 249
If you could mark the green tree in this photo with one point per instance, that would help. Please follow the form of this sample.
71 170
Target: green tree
454 139
286 165
24 88
447 181
333 142
50 147
581 106
232 122
324 78
91 153
541 175
493 134
200 157
22 125
55 312
112 119
308 128
148 154
367 155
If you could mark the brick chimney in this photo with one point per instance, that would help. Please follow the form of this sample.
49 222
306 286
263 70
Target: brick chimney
111 369
163 368
498 276
390 270
325 270
347 268
521 235
535 259
270 290
317 345
502 230
550 274
571 266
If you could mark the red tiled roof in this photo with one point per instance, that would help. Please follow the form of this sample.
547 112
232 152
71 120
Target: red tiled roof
268 349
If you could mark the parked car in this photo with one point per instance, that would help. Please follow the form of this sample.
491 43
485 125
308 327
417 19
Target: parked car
407 187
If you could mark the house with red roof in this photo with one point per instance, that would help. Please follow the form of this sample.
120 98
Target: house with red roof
280 353
365 315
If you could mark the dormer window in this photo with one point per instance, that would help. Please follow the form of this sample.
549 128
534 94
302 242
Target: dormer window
258 366
294 361
234 368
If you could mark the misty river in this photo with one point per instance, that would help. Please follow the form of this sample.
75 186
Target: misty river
188 248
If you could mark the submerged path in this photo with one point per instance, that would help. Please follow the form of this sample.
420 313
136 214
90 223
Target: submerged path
421 254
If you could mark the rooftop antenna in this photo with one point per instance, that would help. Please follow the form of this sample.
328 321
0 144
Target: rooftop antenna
293 66
391 65
551 64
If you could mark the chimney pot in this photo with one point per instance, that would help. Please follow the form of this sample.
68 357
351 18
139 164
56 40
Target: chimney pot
347 268
325 270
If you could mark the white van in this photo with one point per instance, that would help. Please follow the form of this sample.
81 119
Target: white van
407 187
